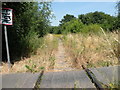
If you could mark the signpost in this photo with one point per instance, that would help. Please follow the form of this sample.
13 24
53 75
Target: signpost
6 19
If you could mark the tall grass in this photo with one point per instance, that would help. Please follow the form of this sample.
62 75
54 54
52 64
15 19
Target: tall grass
91 49
43 58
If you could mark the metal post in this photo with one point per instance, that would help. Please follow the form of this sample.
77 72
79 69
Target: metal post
0 53
7 48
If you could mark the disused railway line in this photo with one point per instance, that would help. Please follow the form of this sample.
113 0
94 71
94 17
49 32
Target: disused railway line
97 83
84 79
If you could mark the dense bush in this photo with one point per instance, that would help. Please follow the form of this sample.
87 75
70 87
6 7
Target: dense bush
89 29
55 30
30 22
72 26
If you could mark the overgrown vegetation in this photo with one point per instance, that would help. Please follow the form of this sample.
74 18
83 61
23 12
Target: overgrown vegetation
91 50
71 24
104 20
30 22
44 58
91 39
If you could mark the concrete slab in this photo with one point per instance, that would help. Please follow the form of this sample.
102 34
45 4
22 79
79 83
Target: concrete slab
70 79
46 80
31 80
19 80
66 79
83 79
107 75
59 80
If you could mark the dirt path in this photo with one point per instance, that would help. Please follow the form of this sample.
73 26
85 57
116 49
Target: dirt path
62 63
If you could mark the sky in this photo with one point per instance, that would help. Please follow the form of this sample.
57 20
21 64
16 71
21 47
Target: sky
60 9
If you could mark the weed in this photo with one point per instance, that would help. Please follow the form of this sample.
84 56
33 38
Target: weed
29 68
43 57
41 68
52 62
76 83
90 65
51 58
114 85
104 63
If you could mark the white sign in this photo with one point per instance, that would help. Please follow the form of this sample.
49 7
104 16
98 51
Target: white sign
6 17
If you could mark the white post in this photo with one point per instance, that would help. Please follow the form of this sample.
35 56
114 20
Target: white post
7 48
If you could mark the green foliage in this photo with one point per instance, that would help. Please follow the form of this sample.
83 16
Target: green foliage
30 21
106 21
55 30
43 20
87 23
90 29
51 58
32 42
118 8
90 65
42 68
104 63
66 19
72 26
114 85
31 69
117 24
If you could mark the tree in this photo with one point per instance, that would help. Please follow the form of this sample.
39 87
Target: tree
118 7
31 19
117 23
72 26
54 30
104 20
44 16
67 18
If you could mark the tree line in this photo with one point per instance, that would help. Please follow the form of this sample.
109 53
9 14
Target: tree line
88 22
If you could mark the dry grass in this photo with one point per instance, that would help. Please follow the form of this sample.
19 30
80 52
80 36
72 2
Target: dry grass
89 50
92 50
44 58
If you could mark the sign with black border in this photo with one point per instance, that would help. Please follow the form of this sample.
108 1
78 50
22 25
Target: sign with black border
6 16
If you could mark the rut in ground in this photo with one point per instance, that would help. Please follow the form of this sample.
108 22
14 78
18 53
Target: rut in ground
62 63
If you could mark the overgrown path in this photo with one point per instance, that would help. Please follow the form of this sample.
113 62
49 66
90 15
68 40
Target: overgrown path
62 63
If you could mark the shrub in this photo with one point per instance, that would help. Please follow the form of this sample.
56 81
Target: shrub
30 43
90 29
72 26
